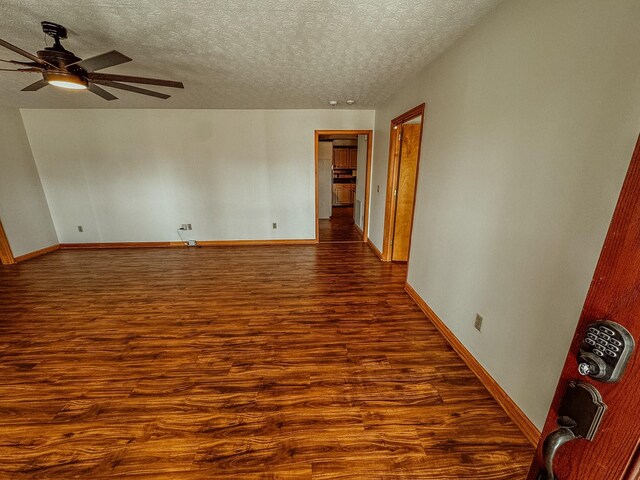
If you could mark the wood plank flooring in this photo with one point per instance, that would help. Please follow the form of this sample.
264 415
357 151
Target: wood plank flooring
340 228
283 362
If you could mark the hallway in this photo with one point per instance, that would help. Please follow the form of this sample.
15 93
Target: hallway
283 362
340 228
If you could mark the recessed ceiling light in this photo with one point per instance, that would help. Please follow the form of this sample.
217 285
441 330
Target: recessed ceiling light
333 103
350 102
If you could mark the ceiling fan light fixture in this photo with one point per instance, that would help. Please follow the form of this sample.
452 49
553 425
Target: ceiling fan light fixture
65 80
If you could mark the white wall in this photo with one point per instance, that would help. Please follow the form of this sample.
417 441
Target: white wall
360 179
325 160
23 207
531 121
136 175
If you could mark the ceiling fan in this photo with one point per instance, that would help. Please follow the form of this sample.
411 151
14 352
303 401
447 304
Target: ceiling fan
61 68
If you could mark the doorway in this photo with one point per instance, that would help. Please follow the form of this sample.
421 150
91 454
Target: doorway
6 255
343 171
404 158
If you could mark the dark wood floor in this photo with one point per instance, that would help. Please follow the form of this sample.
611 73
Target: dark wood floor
301 362
340 228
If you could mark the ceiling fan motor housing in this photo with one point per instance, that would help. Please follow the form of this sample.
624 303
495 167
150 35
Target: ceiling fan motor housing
57 57
54 30
56 54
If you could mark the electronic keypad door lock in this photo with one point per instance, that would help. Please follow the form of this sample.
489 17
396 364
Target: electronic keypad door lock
605 351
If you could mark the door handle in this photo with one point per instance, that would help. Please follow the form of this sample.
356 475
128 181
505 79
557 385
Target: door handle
554 441
580 414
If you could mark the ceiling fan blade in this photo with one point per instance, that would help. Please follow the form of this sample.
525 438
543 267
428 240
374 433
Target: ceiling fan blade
130 79
131 88
23 70
101 92
25 53
26 64
104 60
36 86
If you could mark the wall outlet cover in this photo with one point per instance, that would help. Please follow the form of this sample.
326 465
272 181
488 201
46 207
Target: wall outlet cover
478 322
192 243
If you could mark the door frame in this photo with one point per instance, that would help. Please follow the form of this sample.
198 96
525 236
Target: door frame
392 178
367 180
6 254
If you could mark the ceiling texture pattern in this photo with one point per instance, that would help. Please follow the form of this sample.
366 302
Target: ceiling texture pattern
244 53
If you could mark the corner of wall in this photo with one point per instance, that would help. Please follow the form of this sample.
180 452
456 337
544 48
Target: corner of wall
24 209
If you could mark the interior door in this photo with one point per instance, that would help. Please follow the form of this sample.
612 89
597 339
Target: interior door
405 191
614 296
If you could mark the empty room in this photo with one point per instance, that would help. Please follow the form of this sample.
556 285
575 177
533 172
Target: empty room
320 240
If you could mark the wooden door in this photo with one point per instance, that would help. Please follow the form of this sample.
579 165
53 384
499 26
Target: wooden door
405 191
6 255
614 295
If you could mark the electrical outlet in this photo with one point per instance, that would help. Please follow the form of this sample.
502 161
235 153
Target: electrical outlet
192 243
275 225
478 322
378 189
189 226
183 226
80 228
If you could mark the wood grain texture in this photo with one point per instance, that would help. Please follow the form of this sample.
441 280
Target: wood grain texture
201 243
244 362
526 426
6 255
108 245
633 469
614 294
392 180
393 175
406 188
37 253
340 228
230 243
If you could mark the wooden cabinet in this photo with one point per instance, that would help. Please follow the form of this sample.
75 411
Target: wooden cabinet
345 157
353 158
344 193
341 157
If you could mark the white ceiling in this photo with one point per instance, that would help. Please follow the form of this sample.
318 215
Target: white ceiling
243 53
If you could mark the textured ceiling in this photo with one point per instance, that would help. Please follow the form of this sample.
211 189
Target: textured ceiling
243 53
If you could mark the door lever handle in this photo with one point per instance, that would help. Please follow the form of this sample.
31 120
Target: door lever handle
554 441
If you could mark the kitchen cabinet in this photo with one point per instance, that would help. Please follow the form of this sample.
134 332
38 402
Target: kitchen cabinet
345 157
341 157
353 158
344 193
